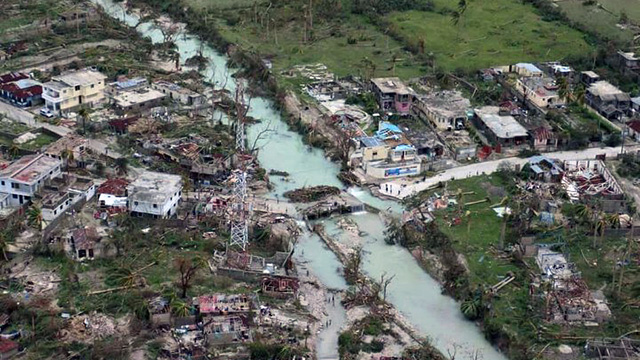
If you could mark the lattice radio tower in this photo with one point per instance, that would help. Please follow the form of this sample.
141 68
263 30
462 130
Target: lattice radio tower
239 221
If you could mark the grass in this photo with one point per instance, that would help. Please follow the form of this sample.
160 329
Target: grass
221 4
603 22
341 47
491 33
39 142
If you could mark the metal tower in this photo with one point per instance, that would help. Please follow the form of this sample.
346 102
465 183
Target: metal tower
239 209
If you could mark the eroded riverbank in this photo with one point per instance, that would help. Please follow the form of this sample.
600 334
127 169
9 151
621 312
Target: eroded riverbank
413 292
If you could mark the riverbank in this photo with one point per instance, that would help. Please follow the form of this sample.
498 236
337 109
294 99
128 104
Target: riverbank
284 150
345 251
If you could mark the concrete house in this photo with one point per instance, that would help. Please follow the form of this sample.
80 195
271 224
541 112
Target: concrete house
54 204
499 129
72 90
629 61
607 99
541 91
155 194
24 177
123 84
76 144
392 94
388 154
527 70
135 101
446 110
178 93
589 77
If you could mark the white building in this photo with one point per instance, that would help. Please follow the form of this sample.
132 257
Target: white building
155 194
24 177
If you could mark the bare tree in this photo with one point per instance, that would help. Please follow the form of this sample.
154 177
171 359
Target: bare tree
344 144
254 148
188 268
384 283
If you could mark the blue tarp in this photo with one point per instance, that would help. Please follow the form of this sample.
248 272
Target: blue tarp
389 126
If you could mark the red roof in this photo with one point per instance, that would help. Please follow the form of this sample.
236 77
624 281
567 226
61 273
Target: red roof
635 125
542 133
22 93
7 346
11 77
117 187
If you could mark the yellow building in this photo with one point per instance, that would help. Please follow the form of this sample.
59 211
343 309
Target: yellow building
72 90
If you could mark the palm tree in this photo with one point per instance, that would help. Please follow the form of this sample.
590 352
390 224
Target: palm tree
122 165
67 155
34 217
14 150
599 224
180 308
84 114
579 93
3 245
564 90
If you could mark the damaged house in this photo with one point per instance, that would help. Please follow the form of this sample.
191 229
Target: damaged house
588 179
225 318
85 244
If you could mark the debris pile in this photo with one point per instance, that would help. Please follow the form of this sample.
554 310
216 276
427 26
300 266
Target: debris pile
573 302
589 178
310 194
88 328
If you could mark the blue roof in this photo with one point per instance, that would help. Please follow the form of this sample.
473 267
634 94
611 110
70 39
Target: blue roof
384 125
404 147
536 169
370 141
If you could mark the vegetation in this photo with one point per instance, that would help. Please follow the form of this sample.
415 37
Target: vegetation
629 167
496 32
511 317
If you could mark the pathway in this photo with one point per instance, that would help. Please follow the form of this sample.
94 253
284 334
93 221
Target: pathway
401 188
28 119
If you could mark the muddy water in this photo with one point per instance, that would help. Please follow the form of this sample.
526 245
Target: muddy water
412 292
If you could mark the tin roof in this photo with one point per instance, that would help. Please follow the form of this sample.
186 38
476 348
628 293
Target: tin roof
117 187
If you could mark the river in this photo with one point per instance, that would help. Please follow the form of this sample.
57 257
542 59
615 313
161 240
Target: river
414 293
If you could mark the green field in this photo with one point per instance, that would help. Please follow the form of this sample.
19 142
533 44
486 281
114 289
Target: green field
332 47
490 33
603 21
221 4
